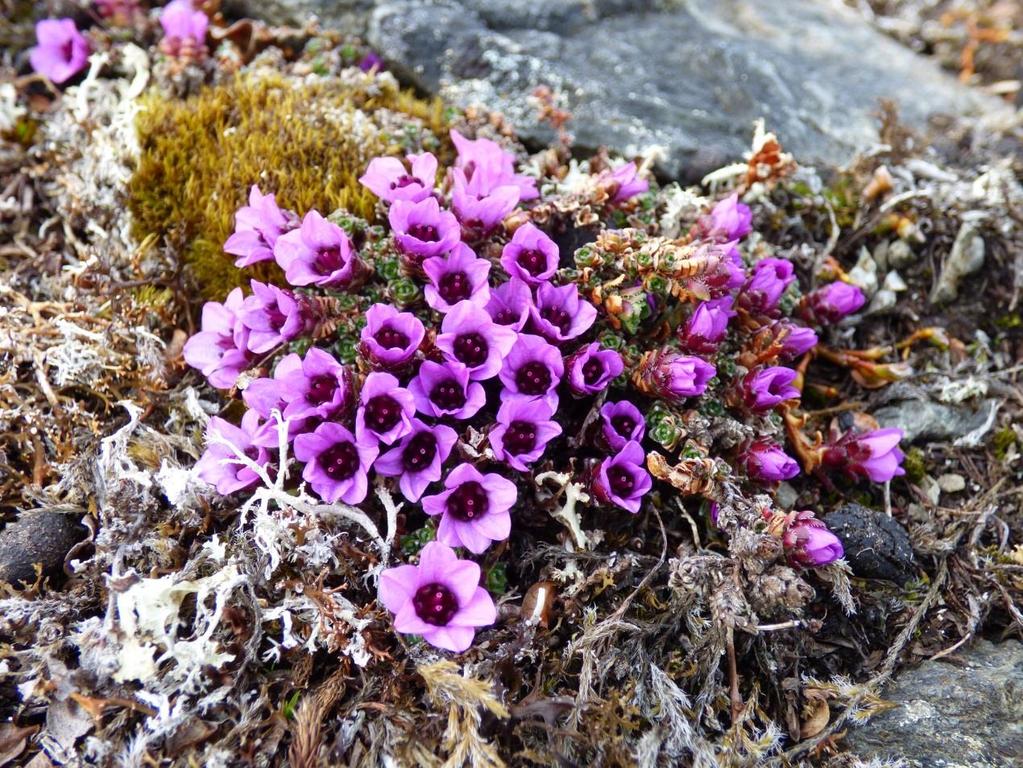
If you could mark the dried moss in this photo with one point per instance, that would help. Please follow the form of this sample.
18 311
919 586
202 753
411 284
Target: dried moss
307 140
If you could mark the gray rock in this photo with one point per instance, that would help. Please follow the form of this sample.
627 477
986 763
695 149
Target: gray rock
965 258
928 420
967 715
690 76
876 546
42 537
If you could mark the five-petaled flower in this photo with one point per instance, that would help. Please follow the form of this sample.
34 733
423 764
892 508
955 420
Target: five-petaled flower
62 50
417 459
390 179
443 390
256 229
317 253
385 410
421 229
621 423
559 314
622 480
457 276
337 465
390 338
764 388
469 336
530 255
473 508
524 427
220 465
592 368
533 368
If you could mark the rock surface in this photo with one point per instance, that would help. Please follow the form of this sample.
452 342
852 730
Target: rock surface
951 715
876 546
689 75
37 537
923 420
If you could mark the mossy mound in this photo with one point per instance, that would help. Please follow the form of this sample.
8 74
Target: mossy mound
306 140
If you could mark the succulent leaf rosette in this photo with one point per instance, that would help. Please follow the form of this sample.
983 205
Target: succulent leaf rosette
452 356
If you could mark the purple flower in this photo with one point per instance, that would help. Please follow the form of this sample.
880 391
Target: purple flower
184 28
439 599
389 179
729 220
559 314
257 227
119 12
530 255
318 253
273 316
621 423
337 465
390 338
796 341
220 466
422 229
417 459
469 336
316 386
591 369
764 388
473 508
459 276
809 543
385 410
478 204
831 303
219 350
707 326
444 389
766 462
769 280
622 182
524 428
533 368
621 480
496 164
62 50
509 304
875 454
370 62
672 376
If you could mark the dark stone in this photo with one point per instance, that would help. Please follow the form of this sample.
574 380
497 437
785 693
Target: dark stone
37 537
962 712
689 76
876 546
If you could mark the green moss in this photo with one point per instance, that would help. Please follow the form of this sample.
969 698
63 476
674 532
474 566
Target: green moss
306 141
1002 441
915 465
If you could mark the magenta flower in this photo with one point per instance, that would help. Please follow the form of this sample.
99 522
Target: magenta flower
385 410
470 337
317 253
533 368
316 386
809 543
559 314
621 423
220 349
672 376
422 229
417 459
531 255
479 205
273 316
797 340
591 369
769 280
829 304
257 227
524 428
444 389
875 454
337 465
622 480
473 508
389 179
623 182
220 466
495 163
390 338
764 388
370 62
439 599
509 304
766 462
184 28
728 220
458 276
62 50
707 326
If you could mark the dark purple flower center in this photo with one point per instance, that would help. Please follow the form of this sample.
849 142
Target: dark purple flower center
776 386
623 425
275 317
420 452
506 317
454 287
251 453
424 232
469 501
389 338
593 369
67 50
557 317
340 461
322 389
520 437
382 413
448 395
533 378
404 180
435 604
621 482
329 260
534 262
471 349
